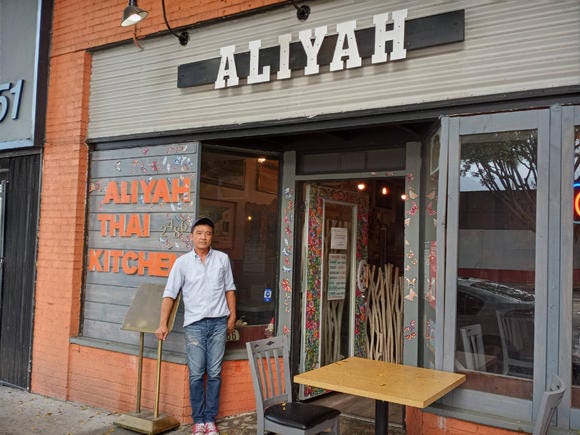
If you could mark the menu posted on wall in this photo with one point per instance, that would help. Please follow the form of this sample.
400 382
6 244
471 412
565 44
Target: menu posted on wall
336 288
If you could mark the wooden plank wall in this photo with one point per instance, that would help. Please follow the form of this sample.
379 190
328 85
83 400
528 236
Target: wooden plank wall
141 203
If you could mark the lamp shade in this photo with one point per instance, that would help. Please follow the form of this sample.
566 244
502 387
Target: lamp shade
132 14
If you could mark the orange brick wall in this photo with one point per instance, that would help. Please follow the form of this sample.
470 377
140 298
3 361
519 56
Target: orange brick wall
61 232
419 422
108 380
59 369
98 24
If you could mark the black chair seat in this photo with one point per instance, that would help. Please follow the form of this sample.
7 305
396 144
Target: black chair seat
299 415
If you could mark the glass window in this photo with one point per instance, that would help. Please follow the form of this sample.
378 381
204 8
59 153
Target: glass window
240 193
496 261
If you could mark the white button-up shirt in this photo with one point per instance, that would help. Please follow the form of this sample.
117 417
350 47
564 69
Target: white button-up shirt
204 285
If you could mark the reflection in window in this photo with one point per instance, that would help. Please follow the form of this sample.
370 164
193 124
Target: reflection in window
240 193
496 260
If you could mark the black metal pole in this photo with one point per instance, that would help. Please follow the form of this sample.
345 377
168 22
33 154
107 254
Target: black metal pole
381 417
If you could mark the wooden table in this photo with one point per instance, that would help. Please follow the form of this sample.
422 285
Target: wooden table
384 382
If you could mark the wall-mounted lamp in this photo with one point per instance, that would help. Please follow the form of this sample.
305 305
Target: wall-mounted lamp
302 12
132 14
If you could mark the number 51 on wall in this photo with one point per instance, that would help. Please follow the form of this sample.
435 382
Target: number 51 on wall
15 90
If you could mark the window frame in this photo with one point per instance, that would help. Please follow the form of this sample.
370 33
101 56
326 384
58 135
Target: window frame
452 129
568 118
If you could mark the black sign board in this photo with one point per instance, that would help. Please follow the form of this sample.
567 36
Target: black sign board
422 32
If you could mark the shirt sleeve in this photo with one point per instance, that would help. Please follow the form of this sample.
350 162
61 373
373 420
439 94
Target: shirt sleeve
174 281
229 276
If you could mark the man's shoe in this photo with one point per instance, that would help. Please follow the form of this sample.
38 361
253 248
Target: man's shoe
211 429
199 429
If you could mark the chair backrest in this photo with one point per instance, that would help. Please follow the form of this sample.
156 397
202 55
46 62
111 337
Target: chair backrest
550 401
516 329
270 368
472 338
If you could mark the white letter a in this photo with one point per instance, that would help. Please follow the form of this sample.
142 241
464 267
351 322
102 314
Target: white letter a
227 68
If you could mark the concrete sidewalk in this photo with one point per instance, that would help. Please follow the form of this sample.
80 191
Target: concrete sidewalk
23 413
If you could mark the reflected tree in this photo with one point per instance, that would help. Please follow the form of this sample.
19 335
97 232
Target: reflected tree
505 163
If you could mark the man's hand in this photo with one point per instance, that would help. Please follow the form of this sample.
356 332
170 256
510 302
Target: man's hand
231 323
162 332
231 300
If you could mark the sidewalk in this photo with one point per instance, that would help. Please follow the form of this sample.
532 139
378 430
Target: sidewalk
23 413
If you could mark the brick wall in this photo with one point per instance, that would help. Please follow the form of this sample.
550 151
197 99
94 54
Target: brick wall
59 369
61 232
419 422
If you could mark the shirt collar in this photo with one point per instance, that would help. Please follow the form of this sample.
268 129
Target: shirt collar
197 256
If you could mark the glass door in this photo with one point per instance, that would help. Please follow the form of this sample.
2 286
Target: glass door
570 280
496 259
333 235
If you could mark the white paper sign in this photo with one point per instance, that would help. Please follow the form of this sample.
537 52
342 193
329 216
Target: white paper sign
338 238
336 276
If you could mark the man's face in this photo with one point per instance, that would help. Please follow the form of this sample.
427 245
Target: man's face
201 236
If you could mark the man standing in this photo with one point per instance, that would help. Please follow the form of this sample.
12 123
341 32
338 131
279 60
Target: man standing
205 277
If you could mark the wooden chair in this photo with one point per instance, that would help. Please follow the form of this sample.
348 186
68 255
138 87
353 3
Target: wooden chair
275 410
550 401
472 338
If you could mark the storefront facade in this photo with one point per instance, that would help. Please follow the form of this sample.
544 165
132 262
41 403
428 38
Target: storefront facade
342 159
24 39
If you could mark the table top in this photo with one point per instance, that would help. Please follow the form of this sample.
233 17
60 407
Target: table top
395 383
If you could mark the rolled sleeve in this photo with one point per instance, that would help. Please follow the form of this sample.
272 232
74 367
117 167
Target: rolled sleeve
174 281
229 284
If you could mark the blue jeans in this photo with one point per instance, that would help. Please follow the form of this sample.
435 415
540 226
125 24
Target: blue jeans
205 344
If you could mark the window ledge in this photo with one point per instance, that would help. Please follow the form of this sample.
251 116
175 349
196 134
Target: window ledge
174 357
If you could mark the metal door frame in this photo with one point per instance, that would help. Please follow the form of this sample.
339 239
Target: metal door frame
452 130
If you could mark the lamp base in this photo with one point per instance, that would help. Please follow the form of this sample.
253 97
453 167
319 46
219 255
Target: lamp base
146 422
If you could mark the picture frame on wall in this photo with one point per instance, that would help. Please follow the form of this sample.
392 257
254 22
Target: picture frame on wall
267 177
223 172
223 215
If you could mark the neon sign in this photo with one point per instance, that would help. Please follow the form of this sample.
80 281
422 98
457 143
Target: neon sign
577 203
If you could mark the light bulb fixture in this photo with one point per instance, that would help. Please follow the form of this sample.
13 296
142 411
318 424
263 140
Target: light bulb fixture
361 186
404 197
183 36
302 12
132 14
261 160
384 191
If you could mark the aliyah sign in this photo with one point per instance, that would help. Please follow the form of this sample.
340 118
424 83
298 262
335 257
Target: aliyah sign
389 39
345 51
